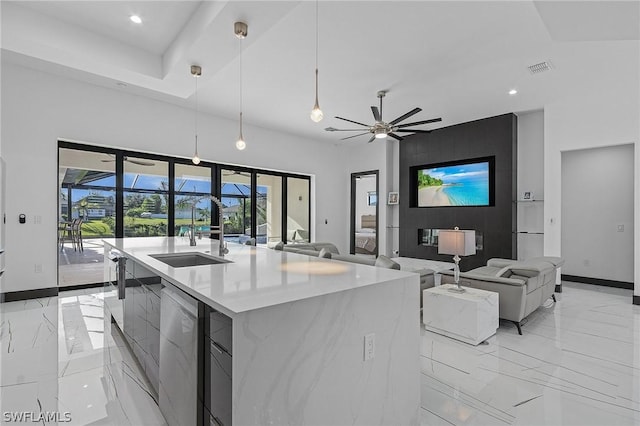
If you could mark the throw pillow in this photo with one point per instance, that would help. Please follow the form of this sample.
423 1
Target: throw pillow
384 262
279 246
325 253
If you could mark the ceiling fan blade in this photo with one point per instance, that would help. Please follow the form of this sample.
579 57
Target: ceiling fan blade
376 113
351 121
433 120
412 131
108 161
141 163
405 116
393 135
355 136
373 138
333 129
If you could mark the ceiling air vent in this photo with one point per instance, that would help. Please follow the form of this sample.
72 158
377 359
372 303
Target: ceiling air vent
538 68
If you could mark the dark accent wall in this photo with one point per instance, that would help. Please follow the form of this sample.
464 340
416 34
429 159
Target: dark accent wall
495 136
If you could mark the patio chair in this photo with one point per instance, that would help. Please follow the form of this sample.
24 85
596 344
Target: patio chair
76 234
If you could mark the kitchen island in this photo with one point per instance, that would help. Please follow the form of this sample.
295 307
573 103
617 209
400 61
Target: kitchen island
309 340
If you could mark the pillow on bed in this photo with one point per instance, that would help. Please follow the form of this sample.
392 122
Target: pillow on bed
366 231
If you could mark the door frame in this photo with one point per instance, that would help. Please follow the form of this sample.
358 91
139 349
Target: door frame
352 221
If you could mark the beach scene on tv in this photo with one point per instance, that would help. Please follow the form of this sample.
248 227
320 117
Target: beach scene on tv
459 185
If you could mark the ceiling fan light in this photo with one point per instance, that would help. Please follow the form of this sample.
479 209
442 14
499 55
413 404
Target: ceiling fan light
380 133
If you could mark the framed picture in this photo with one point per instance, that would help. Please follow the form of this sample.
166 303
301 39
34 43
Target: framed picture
372 198
527 195
393 198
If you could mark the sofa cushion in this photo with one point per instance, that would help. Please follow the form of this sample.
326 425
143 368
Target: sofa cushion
384 262
353 259
311 253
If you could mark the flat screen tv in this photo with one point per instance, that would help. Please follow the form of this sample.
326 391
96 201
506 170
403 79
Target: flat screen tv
456 183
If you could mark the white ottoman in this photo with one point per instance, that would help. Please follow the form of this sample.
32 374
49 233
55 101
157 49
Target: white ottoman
471 317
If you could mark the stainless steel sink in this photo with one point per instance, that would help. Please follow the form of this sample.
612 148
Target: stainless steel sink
182 260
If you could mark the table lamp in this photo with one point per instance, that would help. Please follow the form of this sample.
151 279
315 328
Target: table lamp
458 243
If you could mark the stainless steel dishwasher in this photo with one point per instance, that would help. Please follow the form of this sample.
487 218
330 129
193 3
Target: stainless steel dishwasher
178 393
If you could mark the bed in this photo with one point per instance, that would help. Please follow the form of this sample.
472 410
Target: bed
365 241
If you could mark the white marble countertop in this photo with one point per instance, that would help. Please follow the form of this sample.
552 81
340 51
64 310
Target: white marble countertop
256 277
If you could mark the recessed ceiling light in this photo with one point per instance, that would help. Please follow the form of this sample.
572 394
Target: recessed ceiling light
513 91
135 19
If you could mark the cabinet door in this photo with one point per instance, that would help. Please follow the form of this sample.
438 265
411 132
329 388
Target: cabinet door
140 322
129 303
152 360
218 397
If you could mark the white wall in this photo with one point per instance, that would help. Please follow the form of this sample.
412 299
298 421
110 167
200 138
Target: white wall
597 198
39 108
601 110
530 179
364 157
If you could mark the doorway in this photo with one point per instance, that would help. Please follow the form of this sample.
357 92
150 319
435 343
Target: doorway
364 214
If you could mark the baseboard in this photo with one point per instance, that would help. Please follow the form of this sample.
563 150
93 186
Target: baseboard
598 281
636 300
81 286
12 296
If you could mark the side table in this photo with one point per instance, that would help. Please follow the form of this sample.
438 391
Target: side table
471 317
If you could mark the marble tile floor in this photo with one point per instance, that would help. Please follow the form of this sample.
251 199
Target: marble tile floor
56 358
81 267
578 363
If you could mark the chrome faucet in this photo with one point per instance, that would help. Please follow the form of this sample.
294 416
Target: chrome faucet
192 237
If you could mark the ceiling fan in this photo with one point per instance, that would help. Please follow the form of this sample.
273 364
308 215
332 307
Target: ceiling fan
138 162
381 129
235 172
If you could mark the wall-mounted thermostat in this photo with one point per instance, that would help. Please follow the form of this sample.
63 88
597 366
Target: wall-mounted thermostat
22 218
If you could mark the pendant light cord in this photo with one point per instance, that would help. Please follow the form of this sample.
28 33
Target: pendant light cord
240 87
317 48
196 120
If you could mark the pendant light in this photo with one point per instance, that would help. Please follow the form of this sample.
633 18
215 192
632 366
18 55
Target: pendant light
240 30
196 72
316 113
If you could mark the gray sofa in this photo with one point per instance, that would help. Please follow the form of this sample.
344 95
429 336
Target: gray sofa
330 251
523 286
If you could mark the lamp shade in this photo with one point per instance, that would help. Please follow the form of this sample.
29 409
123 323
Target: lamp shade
457 242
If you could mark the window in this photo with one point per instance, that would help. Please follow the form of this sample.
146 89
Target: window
146 197
192 185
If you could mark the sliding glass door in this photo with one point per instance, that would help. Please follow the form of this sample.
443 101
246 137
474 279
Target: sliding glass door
236 199
106 192
268 209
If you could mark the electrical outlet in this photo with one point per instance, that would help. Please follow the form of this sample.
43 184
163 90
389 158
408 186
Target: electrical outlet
620 228
369 346
37 219
37 268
